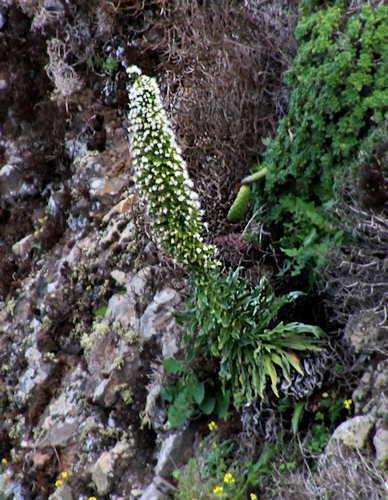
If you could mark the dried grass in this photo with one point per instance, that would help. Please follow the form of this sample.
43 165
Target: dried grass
222 64
347 475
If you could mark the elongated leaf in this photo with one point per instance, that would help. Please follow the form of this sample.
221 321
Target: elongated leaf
297 416
294 361
271 371
173 366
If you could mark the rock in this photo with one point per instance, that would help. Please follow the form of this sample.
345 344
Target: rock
101 187
103 469
370 396
380 442
159 489
60 434
9 488
353 433
23 247
159 320
102 472
64 492
36 374
363 333
121 308
120 277
175 449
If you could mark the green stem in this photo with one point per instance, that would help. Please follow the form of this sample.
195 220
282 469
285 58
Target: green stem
255 177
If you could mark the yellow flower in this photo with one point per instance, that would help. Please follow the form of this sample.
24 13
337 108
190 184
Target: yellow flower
228 478
214 445
4 461
58 483
64 475
218 490
212 426
252 496
325 394
92 498
348 403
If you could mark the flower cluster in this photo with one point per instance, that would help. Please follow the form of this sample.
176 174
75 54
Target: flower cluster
212 426
63 476
218 491
228 478
348 404
162 177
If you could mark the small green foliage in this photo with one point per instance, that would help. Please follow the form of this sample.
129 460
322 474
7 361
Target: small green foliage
297 416
214 473
106 65
339 99
235 324
241 204
100 312
332 410
193 393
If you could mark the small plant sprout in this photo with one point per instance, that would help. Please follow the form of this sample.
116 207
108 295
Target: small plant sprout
162 176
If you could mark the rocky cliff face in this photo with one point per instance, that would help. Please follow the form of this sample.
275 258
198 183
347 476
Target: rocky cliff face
87 308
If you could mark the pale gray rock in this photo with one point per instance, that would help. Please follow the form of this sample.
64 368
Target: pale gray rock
122 308
174 450
159 489
364 334
23 246
102 473
64 492
380 442
60 434
36 374
158 320
353 433
154 323
103 469
10 489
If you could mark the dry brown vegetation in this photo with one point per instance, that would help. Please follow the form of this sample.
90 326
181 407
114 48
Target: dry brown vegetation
222 64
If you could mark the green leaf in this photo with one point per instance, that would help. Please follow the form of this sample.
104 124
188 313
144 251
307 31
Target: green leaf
178 414
173 366
207 406
297 416
197 392
168 393
271 371
100 312
222 404
294 361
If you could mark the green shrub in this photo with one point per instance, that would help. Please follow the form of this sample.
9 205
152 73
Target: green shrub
227 320
193 393
339 96
162 176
